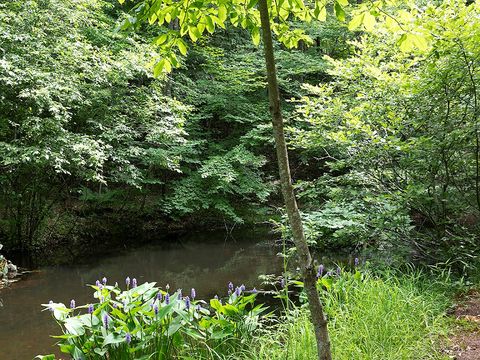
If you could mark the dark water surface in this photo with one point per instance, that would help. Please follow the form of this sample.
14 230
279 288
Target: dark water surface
207 262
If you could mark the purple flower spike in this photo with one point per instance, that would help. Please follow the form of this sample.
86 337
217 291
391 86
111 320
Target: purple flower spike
356 262
155 309
128 338
97 283
187 303
104 281
167 299
114 305
320 271
229 292
216 297
254 291
134 283
242 287
90 309
72 304
105 321
199 307
338 270
159 296
230 286
238 291
193 294
127 281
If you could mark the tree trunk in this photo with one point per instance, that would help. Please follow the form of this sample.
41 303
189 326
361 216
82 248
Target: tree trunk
306 263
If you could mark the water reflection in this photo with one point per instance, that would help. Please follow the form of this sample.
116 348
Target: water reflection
207 264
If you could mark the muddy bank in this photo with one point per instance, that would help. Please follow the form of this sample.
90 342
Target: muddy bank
8 271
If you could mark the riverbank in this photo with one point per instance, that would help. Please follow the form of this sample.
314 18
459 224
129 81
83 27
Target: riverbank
387 316
8 270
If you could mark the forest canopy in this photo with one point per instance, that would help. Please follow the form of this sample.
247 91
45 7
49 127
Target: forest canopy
381 113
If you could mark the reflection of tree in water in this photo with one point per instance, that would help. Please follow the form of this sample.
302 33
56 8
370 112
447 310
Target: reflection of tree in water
242 267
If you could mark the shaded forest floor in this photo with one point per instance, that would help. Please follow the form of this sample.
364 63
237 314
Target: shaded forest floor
464 344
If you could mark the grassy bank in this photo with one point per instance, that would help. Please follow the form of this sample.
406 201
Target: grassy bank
388 317
371 316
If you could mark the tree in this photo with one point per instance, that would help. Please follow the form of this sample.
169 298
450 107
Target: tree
192 19
81 120
402 130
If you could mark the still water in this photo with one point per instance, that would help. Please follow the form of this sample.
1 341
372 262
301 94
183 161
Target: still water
206 262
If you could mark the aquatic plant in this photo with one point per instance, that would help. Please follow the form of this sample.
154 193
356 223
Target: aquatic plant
146 321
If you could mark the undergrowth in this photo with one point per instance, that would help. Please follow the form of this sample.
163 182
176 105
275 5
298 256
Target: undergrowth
370 318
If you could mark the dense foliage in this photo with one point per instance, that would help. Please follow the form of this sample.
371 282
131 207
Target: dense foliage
89 137
384 140
397 136
98 137
79 112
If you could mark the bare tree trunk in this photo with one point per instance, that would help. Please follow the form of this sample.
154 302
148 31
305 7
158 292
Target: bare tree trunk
308 271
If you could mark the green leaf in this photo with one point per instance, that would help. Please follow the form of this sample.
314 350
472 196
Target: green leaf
78 354
67 348
209 24
215 304
113 338
252 4
420 41
182 47
222 13
405 43
74 326
160 39
194 33
256 36
230 309
356 21
369 21
174 327
327 282
339 12
158 68
320 12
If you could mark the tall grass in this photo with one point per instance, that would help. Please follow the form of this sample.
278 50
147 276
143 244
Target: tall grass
376 318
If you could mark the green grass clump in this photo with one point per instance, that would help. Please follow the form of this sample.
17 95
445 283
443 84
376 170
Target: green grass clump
371 318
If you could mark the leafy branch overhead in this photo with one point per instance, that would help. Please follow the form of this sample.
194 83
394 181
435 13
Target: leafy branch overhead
192 19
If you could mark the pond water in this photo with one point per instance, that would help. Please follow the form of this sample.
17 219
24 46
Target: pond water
207 262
